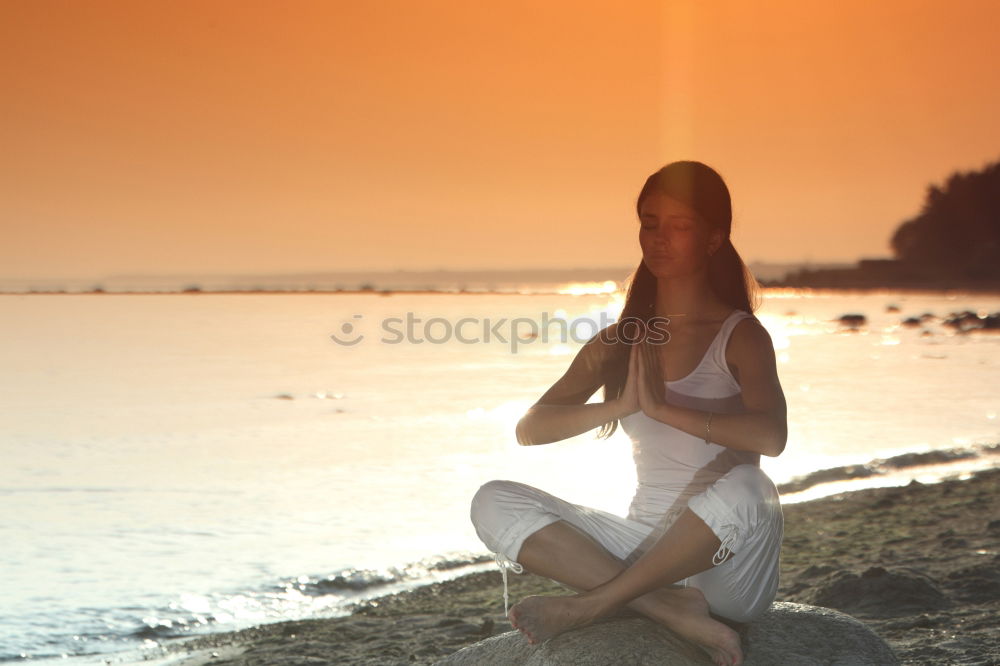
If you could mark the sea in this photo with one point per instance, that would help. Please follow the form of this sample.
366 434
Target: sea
180 463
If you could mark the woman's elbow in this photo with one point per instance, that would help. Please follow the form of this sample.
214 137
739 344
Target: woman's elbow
524 438
776 443
775 449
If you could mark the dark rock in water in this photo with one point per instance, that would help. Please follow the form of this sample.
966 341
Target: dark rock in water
853 320
927 458
966 320
879 593
826 476
787 634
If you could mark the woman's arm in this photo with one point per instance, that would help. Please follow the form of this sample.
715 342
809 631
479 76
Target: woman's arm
763 426
544 423
563 411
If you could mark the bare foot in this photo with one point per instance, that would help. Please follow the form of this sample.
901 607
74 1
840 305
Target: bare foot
684 611
540 618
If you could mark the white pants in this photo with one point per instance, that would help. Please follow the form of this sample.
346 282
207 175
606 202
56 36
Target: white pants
742 509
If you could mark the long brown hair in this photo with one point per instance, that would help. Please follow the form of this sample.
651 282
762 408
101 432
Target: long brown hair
702 188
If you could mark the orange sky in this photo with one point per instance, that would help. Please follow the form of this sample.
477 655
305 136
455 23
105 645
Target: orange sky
265 136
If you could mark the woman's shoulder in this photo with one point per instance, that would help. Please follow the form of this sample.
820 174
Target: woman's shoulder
748 337
738 316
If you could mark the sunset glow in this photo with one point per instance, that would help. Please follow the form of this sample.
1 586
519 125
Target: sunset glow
222 137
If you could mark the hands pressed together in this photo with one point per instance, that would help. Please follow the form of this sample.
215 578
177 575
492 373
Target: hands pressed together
638 392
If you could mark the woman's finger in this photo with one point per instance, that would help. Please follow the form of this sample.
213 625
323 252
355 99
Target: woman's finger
632 360
640 371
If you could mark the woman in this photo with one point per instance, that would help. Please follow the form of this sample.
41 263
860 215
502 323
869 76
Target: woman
690 373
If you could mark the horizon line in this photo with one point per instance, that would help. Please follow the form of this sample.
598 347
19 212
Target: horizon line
622 267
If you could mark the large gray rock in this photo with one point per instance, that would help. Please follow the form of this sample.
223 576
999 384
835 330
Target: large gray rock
787 635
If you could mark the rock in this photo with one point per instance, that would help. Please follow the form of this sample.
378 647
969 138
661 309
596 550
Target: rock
800 635
879 593
853 320
976 584
966 320
787 634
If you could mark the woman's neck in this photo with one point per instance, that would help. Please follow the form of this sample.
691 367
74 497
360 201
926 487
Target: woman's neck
689 299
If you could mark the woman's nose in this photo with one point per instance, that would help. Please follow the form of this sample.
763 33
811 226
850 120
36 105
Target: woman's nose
661 239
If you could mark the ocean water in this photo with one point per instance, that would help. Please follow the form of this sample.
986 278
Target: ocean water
175 464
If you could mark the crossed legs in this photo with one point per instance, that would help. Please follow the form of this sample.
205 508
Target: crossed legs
565 553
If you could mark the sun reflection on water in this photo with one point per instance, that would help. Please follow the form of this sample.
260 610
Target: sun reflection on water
588 288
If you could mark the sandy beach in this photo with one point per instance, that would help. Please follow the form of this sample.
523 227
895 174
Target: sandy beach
920 564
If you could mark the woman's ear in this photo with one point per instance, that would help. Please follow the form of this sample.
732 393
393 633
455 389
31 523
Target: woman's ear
715 240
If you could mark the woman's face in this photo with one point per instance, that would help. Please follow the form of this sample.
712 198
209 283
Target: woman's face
674 240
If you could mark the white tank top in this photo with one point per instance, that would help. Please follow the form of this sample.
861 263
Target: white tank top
671 465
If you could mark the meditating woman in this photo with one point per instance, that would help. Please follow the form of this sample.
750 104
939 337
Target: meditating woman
690 373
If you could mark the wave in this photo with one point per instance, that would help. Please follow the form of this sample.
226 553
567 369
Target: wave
94 632
882 466
360 580
342 587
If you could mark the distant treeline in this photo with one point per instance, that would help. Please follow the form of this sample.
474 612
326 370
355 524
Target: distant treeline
953 243
958 230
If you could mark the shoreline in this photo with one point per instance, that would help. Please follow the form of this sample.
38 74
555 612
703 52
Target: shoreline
919 564
958 289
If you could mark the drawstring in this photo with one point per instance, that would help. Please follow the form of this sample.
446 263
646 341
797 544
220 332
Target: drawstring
504 563
727 545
